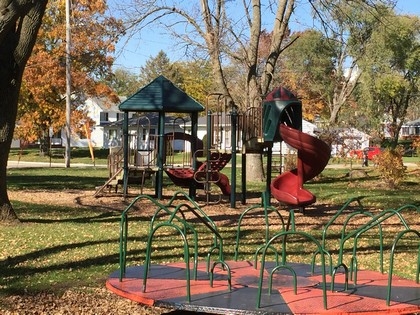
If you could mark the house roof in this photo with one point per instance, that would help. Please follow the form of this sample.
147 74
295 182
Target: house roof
105 104
161 95
413 123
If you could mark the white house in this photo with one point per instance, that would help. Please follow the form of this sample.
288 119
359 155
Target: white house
102 112
107 131
410 128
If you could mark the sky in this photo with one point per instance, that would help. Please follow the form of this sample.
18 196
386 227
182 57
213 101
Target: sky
133 54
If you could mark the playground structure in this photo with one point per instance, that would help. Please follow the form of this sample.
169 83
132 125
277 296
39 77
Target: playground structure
148 148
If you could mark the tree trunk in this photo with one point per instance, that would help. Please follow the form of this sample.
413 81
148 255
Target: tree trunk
19 25
254 167
10 78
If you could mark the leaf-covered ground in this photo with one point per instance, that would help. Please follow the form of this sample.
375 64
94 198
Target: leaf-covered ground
89 301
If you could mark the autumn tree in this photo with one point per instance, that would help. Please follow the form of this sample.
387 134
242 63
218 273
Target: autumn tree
195 79
19 25
42 102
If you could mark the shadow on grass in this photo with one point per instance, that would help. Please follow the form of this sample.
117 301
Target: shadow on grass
47 214
52 182
106 217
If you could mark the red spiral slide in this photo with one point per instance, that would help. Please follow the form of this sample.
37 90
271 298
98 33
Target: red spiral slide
313 155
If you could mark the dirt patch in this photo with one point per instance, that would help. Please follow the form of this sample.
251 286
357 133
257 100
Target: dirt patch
117 202
87 301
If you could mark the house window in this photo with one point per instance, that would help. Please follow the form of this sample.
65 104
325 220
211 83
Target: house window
113 140
112 134
55 139
104 116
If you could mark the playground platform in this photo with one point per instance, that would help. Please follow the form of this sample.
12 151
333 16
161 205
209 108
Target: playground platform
166 287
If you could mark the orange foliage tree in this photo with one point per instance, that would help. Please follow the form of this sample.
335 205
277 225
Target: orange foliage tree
42 99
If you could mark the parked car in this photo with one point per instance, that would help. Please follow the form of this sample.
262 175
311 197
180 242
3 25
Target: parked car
370 151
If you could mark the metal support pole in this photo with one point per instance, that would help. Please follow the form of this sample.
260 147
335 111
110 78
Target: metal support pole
161 144
269 166
68 85
194 132
233 122
209 145
125 152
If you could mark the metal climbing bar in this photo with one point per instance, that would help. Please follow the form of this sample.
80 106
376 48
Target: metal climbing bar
124 229
283 264
375 221
267 208
186 256
176 215
391 261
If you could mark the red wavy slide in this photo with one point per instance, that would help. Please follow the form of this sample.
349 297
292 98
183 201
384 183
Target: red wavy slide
313 155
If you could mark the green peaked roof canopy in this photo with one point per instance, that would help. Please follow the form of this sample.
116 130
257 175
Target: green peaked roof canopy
161 95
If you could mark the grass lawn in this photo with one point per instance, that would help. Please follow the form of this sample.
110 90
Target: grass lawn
75 244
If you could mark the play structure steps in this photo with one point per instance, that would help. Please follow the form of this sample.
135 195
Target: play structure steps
111 182
115 168
141 167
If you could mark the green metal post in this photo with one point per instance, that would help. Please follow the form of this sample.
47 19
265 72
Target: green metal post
126 148
243 176
233 122
194 132
161 146
269 165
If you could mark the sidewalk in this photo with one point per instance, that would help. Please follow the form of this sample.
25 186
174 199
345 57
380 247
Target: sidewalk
22 164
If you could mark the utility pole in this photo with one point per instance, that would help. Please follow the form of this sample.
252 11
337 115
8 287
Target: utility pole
68 84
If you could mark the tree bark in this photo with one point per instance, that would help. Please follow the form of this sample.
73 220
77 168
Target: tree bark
19 25
255 167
